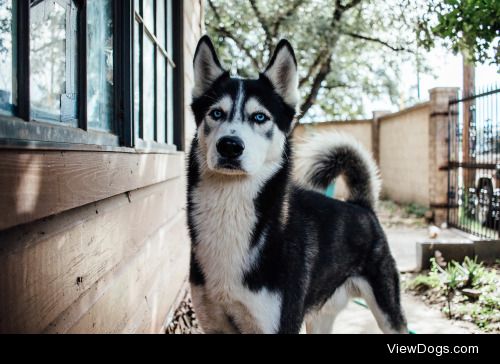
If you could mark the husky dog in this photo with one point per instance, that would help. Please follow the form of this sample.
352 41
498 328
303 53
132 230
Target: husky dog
270 253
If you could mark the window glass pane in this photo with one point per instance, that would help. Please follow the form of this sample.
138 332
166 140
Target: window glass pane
169 46
149 19
160 22
170 76
7 98
53 61
137 80
100 64
154 74
170 105
149 89
161 95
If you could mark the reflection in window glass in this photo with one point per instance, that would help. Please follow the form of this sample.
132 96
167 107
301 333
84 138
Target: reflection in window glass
160 22
148 8
153 72
170 75
149 89
137 80
161 119
53 61
7 97
170 105
100 64
169 20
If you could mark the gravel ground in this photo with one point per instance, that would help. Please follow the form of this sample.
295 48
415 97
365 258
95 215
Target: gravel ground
184 320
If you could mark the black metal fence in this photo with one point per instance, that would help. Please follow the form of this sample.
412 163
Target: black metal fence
474 164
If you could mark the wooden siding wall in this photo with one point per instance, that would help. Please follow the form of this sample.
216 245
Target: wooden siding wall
94 242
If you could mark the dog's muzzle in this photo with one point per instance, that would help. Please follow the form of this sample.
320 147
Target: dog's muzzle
230 147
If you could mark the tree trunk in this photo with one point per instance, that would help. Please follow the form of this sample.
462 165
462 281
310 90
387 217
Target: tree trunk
316 86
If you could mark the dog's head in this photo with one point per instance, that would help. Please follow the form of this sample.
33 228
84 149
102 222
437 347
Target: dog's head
243 124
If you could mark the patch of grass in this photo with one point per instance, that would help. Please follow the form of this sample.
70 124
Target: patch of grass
443 285
393 214
473 270
415 210
389 206
485 313
423 282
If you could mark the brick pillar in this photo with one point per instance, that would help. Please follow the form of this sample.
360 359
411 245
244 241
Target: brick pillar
438 150
377 115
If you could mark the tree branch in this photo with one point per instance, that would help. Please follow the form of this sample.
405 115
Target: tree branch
286 15
316 64
226 33
316 86
263 24
338 85
337 14
348 6
324 60
214 9
376 40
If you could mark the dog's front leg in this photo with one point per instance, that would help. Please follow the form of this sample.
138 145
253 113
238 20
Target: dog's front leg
291 326
210 315
292 317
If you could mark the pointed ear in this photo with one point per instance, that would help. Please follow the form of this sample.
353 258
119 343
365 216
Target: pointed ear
207 67
283 73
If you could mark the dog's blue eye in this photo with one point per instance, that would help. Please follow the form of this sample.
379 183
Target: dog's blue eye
260 118
217 114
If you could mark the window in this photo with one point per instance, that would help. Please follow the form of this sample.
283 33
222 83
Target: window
100 61
153 71
90 72
7 60
53 62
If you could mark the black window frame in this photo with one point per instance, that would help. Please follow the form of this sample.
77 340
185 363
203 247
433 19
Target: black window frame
145 31
22 131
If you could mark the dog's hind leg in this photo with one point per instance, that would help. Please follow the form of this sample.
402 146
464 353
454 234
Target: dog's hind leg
384 303
322 321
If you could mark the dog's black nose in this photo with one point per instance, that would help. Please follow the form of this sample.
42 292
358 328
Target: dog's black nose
230 147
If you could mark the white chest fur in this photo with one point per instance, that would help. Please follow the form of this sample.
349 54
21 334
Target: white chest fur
224 218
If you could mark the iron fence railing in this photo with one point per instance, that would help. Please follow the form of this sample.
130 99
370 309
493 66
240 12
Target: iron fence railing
474 164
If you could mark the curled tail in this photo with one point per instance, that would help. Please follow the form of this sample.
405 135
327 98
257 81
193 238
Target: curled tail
322 157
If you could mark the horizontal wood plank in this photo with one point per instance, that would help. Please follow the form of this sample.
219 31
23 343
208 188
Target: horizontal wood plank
141 297
36 184
49 265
